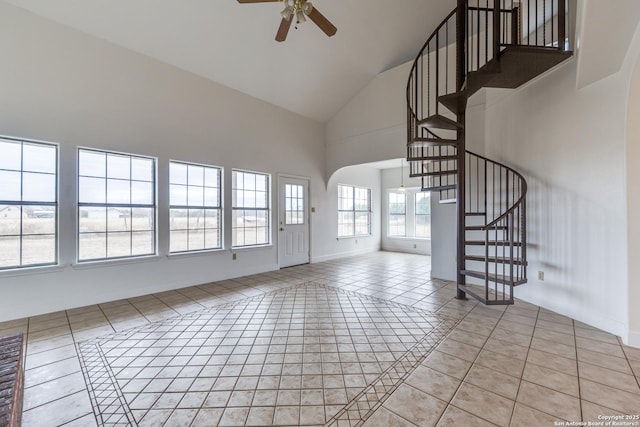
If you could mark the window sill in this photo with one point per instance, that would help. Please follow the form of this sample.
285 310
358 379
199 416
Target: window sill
115 262
245 248
23 271
408 238
360 236
206 252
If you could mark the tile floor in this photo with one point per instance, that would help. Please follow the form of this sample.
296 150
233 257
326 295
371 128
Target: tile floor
345 342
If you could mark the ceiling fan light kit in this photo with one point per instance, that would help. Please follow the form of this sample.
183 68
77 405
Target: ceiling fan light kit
298 9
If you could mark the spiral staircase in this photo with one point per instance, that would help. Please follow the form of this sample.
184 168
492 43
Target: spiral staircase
481 43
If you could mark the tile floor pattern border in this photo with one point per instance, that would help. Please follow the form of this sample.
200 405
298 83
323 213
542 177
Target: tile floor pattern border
112 408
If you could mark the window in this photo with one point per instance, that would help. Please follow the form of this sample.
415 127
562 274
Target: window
28 203
354 211
116 205
397 214
250 209
195 207
409 213
423 215
294 204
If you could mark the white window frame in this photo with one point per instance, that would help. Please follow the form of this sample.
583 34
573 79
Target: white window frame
22 203
391 216
114 206
235 207
410 214
189 205
352 189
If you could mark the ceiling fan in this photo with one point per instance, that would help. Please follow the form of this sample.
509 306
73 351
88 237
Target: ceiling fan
297 9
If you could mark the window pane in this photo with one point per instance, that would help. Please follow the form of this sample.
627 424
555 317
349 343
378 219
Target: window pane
142 243
92 246
196 175
142 219
212 239
196 240
211 197
423 204
195 196
39 249
118 191
423 225
178 195
10 218
212 177
362 223
178 219
119 245
118 166
196 218
38 187
141 193
177 173
9 185
39 220
119 219
10 155
93 219
92 163
9 251
178 240
212 219
92 190
142 169
39 158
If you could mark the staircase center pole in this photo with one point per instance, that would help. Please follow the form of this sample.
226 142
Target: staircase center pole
461 74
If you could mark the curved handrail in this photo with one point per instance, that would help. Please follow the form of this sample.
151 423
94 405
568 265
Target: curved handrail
518 202
415 62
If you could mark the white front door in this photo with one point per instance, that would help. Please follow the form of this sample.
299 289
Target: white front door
293 221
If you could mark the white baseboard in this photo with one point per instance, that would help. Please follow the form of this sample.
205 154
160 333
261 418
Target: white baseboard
333 256
632 339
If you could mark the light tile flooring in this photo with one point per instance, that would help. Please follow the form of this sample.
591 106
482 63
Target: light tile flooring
346 342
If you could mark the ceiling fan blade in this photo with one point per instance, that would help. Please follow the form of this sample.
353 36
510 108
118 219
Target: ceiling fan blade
283 30
258 1
322 22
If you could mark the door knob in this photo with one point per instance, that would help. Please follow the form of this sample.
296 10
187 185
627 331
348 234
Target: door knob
281 229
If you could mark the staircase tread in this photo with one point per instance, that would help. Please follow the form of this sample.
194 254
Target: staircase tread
456 102
491 243
494 259
481 227
431 158
439 121
439 188
521 64
428 142
436 173
499 278
475 213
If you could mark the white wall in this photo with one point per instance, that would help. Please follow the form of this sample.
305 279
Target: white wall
569 144
633 196
62 86
372 125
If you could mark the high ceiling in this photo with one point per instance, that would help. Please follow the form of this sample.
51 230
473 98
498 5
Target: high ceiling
233 44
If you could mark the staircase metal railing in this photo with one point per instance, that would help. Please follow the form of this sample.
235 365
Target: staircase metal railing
497 193
462 55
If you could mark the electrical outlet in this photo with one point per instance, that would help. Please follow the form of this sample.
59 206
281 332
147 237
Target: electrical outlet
356 241
234 256
415 246
541 276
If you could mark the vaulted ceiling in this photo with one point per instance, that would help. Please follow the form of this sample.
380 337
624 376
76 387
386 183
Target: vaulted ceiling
233 44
